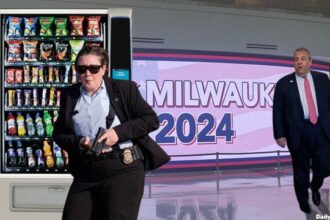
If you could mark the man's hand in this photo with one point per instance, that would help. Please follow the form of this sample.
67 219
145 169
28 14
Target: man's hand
281 142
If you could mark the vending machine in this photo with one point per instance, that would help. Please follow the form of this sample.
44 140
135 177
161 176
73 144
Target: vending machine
38 50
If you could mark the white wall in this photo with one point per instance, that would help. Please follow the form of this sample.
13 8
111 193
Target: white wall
195 27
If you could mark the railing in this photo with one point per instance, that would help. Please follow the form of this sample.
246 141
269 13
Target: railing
218 154
218 164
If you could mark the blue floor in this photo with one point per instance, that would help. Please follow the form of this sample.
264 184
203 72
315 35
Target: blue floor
258 194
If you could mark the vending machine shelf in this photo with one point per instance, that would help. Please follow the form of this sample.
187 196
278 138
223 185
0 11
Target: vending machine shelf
35 85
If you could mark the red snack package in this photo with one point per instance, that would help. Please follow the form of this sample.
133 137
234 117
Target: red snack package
10 75
77 25
93 26
18 76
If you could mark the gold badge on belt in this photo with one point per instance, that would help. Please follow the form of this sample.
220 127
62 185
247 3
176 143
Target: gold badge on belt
127 156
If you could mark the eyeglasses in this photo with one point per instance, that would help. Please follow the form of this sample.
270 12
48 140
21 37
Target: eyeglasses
93 69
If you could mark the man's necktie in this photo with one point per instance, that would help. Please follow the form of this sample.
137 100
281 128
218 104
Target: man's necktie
310 102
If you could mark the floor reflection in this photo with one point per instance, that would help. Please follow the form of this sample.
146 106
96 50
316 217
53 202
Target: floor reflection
256 194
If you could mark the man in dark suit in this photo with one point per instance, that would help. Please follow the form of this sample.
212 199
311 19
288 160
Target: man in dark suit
301 120
109 185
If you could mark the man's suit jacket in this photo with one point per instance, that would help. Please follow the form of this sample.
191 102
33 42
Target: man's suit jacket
136 116
288 114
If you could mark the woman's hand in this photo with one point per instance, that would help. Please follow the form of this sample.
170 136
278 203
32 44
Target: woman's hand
111 138
85 143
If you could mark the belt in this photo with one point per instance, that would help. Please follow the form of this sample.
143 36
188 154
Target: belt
127 155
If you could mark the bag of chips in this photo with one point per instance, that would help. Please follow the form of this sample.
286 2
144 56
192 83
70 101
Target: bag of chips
30 26
27 97
93 26
10 75
14 26
18 76
61 51
76 46
46 26
77 25
50 74
19 99
41 74
11 97
34 77
30 50
26 74
57 74
61 27
14 50
46 51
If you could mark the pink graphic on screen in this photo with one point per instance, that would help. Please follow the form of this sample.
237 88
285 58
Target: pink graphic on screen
208 107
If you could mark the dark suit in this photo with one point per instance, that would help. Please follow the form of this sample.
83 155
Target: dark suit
137 120
305 140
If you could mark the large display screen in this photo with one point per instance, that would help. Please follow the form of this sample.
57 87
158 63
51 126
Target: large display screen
212 102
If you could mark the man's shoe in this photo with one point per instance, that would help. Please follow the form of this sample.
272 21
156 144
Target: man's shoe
305 207
316 197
